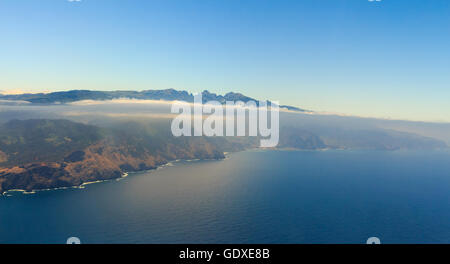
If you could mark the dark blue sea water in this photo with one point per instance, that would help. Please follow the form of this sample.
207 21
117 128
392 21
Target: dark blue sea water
252 197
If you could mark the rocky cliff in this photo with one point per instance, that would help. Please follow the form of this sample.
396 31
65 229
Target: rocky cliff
66 160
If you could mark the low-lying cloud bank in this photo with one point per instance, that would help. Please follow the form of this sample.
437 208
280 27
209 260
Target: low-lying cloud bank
91 111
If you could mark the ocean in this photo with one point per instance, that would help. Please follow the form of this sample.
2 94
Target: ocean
333 196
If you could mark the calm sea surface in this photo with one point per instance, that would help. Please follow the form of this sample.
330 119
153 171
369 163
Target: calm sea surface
251 197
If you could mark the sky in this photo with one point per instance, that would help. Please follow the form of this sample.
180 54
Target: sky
386 59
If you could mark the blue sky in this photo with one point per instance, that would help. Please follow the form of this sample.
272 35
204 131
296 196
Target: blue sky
387 59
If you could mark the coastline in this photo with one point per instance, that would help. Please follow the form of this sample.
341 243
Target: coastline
81 186
9 193
171 163
158 167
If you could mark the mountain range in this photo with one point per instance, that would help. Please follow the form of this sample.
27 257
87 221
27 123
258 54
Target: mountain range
166 95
